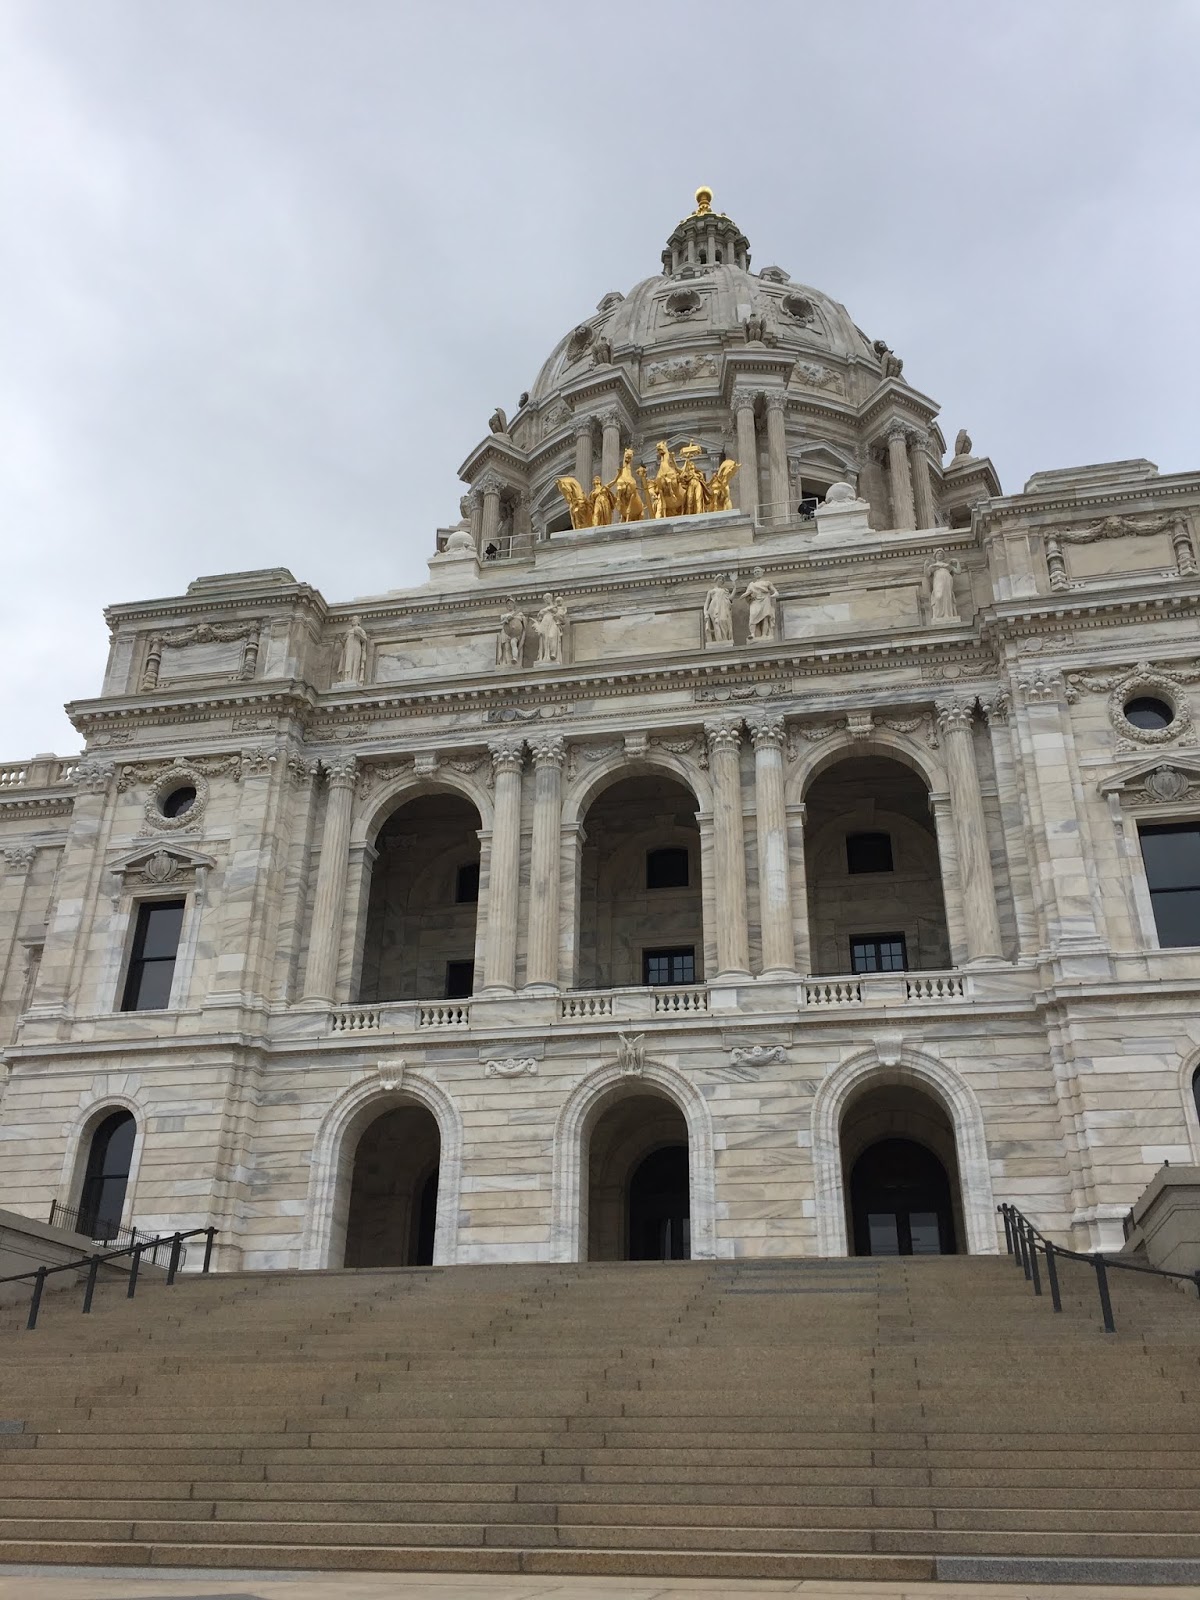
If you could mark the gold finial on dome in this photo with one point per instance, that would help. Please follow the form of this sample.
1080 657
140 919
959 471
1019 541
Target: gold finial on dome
703 201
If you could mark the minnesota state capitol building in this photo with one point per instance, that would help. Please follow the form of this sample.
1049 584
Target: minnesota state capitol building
759 836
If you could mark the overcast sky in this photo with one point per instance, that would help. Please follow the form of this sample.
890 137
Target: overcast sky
266 266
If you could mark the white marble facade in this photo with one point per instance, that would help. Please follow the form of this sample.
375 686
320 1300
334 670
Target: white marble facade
948 665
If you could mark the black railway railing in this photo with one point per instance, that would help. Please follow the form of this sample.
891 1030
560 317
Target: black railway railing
1026 1244
170 1244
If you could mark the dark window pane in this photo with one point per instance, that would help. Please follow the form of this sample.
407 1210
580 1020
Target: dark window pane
150 986
883 1233
926 1237
460 979
881 952
466 887
1172 855
179 801
159 927
1147 712
669 966
667 869
1196 1089
868 852
103 1196
1177 916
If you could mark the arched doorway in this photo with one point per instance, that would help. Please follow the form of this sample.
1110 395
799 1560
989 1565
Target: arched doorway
900 1171
392 1216
641 918
106 1176
421 927
875 899
639 1181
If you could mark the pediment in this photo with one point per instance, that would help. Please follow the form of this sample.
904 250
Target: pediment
160 862
1156 780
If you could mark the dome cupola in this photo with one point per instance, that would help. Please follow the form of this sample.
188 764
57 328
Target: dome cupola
704 240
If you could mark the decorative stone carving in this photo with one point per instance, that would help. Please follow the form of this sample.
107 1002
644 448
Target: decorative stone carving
631 1053
179 775
679 369
508 755
890 363
766 729
258 763
341 771
682 747
591 753
93 777
938 587
1167 784
352 662
159 864
718 611
425 763
745 399
302 771
681 304
758 1055
995 706
724 735
548 749
955 714
19 857
962 445
550 625
860 724
1165 681
389 1075
374 774
1045 683
203 633
498 422
815 375
764 600
511 1067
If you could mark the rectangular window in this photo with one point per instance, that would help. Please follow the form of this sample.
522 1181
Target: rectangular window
466 884
669 966
152 961
460 979
1171 852
667 869
868 852
879 952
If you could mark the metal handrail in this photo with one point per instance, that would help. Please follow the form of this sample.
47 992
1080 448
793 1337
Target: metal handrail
94 1262
1024 1242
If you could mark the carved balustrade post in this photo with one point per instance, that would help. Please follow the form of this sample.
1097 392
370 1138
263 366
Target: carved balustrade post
918 451
774 877
746 482
966 804
541 969
729 848
504 871
329 902
610 447
903 512
583 453
777 466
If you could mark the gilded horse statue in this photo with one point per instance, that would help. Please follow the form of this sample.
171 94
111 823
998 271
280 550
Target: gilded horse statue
578 502
718 496
667 489
630 506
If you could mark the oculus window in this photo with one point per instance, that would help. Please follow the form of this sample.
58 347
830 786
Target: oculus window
669 966
152 961
1171 852
879 952
868 852
1149 713
667 869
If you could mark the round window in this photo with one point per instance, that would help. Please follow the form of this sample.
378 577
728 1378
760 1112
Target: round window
179 801
1148 712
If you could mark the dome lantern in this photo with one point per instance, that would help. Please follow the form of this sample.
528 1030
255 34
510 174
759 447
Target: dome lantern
704 240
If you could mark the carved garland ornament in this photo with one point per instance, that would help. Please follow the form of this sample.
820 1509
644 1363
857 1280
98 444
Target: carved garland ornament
511 1067
1166 680
1119 528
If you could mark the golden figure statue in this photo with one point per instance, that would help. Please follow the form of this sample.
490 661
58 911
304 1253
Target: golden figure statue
630 506
603 503
668 495
673 491
692 486
578 503
719 498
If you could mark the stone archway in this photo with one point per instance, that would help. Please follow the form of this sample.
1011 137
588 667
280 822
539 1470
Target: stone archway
391 1217
599 1091
917 1071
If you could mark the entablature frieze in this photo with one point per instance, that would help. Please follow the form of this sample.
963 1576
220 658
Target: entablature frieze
183 611
1068 507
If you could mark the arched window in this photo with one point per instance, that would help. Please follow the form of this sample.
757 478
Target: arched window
107 1176
1196 1090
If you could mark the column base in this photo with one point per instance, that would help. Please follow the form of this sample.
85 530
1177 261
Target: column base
733 975
540 988
778 975
493 989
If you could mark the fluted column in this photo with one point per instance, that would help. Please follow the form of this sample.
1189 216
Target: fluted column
504 873
774 876
729 848
970 828
541 967
583 452
918 453
320 974
610 446
777 466
490 529
903 514
746 482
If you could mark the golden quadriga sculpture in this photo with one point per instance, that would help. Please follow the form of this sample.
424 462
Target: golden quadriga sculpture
673 491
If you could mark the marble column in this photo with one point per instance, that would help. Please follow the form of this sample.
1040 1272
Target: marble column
903 512
583 453
729 849
541 968
329 902
778 494
610 445
774 877
918 455
489 531
947 845
966 804
504 870
746 482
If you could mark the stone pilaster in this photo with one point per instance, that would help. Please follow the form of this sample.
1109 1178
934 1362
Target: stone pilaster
77 891
774 876
583 452
900 480
341 775
729 849
746 482
918 455
779 491
18 863
966 804
541 971
504 867
250 886
610 446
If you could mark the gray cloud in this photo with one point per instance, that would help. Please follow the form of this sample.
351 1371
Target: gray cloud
268 265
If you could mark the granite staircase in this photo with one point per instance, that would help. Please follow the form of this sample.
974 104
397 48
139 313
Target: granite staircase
881 1419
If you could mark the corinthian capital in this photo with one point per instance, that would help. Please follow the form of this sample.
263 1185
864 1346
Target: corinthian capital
743 399
508 755
341 771
583 427
724 735
93 776
955 715
766 731
776 400
548 749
